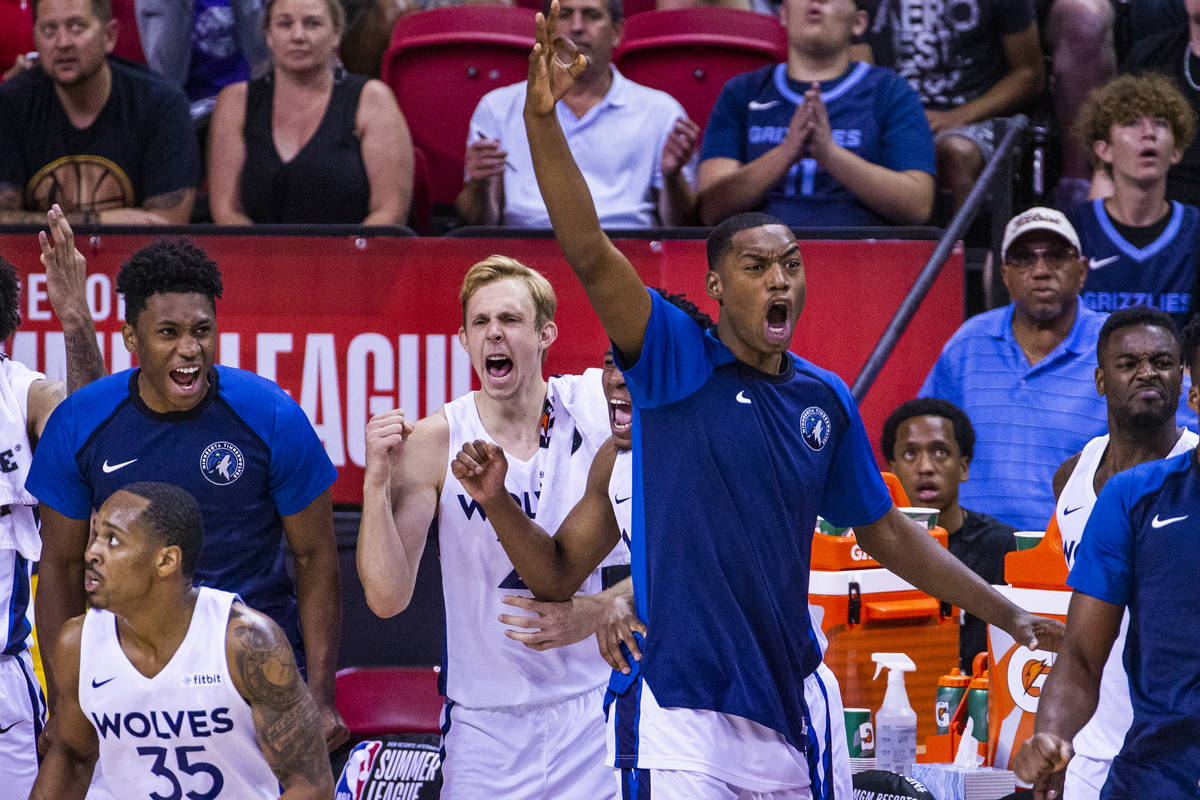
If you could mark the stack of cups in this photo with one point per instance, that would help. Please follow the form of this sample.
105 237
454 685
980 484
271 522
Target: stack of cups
860 737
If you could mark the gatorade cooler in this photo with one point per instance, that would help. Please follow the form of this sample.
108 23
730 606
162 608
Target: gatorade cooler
1018 673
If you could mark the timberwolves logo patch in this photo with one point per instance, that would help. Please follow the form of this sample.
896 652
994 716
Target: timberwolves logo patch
814 427
222 463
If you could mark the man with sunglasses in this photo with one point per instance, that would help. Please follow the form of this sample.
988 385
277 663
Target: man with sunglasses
1024 373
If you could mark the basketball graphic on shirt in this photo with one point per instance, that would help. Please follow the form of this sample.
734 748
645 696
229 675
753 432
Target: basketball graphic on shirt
80 183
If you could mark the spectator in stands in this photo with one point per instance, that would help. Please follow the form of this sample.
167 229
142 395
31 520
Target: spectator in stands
108 141
820 140
634 144
308 142
1175 52
1024 373
203 45
1141 249
928 443
970 61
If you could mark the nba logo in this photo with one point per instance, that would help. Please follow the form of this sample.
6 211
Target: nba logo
354 777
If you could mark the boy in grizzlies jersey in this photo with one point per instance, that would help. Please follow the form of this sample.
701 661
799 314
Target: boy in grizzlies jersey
144 688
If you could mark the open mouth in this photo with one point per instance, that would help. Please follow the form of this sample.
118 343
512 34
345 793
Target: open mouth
926 491
497 366
620 416
778 327
186 377
90 580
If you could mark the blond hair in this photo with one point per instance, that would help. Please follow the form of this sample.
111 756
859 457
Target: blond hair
497 268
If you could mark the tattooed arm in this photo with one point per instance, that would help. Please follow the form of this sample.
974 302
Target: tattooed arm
286 722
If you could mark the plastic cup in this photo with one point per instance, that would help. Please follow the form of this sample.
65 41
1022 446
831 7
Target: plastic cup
1027 540
860 733
925 517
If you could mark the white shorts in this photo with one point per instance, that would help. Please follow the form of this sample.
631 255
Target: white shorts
671 751
543 752
22 715
1085 778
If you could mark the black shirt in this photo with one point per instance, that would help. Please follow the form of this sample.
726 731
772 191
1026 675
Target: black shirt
981 543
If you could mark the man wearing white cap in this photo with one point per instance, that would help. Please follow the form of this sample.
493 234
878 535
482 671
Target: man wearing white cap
1024 373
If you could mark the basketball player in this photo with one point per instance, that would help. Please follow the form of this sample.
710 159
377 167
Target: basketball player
238 443
517 724
738 445
146 688
1140 373
26 400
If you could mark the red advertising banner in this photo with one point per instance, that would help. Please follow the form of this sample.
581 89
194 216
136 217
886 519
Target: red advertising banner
352 325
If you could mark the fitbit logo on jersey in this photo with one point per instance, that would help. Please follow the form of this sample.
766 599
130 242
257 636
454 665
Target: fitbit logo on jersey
222 463
202 679
163 724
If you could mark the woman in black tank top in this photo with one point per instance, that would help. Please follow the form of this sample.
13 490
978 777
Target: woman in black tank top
308 142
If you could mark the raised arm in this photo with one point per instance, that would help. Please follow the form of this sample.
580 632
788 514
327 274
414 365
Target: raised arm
387 153
319 595
287 724
1071 692
66 770
403 480
227 156
553 567
60 594
901 546
612 285
66 284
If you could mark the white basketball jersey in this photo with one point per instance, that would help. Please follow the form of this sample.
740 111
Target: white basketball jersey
483 667
18 528
620 494
1101 738
186 732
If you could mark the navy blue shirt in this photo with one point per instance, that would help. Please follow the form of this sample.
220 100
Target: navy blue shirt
1140 549
246 452
872 113
730 468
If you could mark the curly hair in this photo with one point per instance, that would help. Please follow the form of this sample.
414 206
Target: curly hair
1127 98
681 302
166 267
10 303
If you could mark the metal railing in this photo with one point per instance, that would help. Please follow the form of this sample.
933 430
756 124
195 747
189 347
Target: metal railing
996 180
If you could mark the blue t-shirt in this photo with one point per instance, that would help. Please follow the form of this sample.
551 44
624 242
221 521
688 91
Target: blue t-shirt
1160 275
217 60
1140 549
730 468
246 452
872 112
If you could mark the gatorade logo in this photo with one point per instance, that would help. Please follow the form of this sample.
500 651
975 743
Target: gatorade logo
1027 673
941 713
857 554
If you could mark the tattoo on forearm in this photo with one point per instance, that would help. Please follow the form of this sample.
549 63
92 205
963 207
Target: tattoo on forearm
84 362
287 723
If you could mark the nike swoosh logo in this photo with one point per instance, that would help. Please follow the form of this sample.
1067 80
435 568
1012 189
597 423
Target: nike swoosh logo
1098 263
741 397
754 105
1162 523
107 467
623 499
1071 510
96 685
9 728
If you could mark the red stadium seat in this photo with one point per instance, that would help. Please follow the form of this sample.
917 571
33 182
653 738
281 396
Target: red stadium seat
420 211
129 43
628 7
16 31
690 52
377 701
439 64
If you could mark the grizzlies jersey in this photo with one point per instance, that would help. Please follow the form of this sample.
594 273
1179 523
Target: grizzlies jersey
246 452
873 113
1160 275
483 668
184 732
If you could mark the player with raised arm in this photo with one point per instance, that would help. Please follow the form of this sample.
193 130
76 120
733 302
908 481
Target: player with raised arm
726 699
144 689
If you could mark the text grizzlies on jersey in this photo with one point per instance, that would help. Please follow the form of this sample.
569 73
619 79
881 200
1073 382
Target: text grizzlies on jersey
814 427
222 463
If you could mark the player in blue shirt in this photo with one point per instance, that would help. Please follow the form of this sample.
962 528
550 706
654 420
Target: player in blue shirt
1138 550
737 446
235 441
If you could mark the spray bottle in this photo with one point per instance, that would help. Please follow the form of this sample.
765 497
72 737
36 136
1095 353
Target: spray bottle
895 721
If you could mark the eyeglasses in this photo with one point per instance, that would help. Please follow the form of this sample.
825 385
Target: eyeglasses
1056 257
